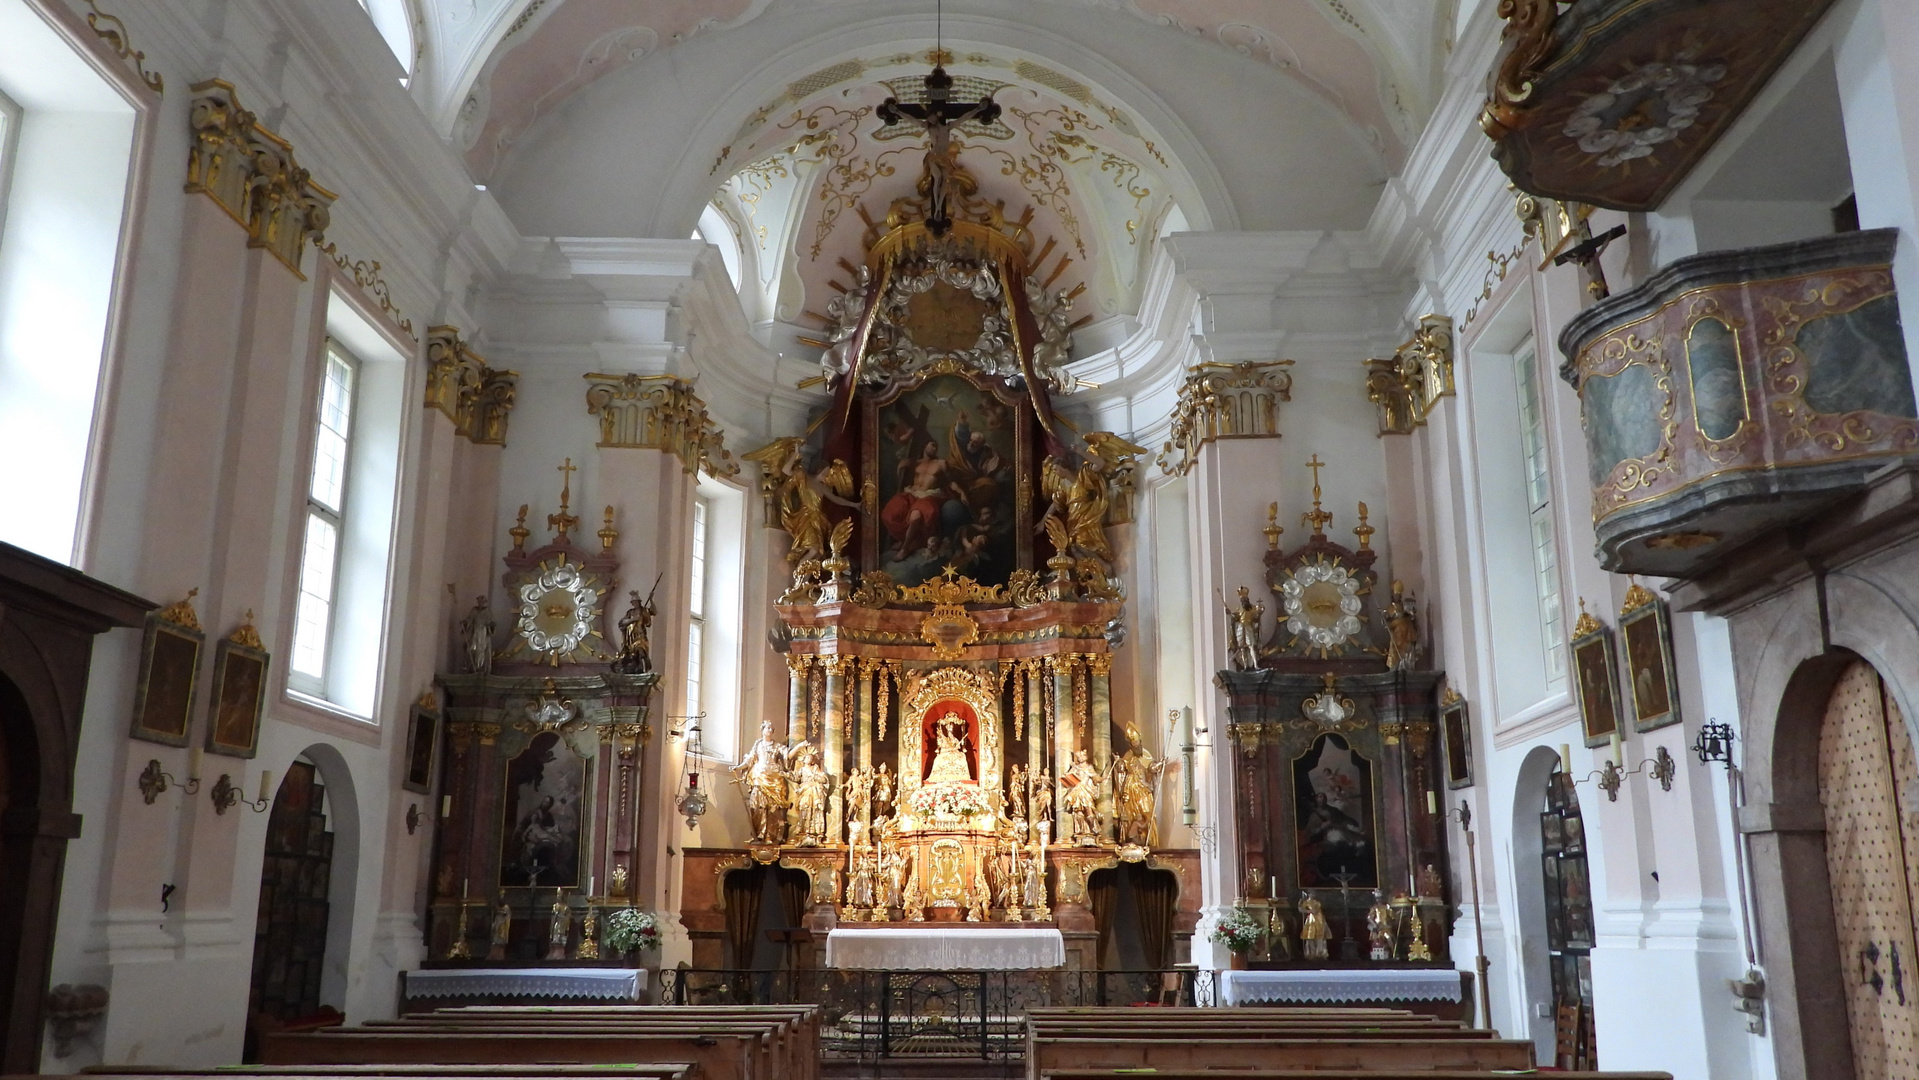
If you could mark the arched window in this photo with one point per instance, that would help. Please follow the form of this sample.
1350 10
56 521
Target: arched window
394 20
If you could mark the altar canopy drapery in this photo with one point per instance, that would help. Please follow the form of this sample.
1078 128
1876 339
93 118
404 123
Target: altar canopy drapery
932 948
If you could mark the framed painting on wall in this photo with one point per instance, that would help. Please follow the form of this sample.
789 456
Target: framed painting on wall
1456 728
1651 683
169 666
239 693
1593 667
422 735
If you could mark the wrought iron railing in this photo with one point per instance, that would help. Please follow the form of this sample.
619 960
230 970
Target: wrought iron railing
871 1014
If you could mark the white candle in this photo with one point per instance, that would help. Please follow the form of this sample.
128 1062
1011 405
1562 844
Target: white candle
1432 803
590 882
1618 749
446 806
1565 759
194 757
266 785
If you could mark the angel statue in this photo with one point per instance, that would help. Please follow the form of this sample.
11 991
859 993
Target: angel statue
1242 632
799 498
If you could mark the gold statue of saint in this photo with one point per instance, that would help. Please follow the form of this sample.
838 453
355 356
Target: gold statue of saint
809 789
1314 933
1080 802
1137 774
950 763
762 772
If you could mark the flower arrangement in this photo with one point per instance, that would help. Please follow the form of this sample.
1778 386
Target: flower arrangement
947 800
630 928
1237 930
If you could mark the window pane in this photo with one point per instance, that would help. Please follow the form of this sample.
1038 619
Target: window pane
1545 548
330 438
698 583
315 608
695 634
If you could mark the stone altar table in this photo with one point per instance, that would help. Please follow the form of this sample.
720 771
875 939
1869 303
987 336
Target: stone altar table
434 987
936 948
1373 985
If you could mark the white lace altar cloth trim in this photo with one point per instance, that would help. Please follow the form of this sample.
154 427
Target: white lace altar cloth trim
1393 984
600 984
940 949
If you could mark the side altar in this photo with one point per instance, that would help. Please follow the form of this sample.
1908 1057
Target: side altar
950 755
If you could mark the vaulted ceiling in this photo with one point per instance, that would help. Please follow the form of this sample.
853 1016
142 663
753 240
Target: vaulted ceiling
1123 117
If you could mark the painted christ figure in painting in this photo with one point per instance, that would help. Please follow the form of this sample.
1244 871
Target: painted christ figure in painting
1333 790
948 484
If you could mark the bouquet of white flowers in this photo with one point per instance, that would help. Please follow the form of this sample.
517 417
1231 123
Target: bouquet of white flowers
630 928
1236 930
947 800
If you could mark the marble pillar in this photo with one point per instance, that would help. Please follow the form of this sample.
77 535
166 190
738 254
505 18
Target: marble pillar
1065 736
864 732
797 695
1099 674
833 738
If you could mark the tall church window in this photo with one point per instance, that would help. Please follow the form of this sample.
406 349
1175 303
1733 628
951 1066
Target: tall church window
1539 512
326 506
696 607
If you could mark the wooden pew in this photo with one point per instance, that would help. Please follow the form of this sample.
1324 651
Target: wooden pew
645 1071
1348 1074
804 1020
1256 1050
789 1051
718 1055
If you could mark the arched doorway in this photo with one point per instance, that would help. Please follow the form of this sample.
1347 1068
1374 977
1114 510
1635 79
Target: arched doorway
1869 789
1569 924
296 878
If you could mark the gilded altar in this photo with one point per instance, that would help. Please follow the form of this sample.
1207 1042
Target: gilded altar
950 744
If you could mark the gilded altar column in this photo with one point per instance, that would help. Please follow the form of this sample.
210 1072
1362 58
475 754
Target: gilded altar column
797 695
1059 723
1099 676
865 730
1035 716
833 739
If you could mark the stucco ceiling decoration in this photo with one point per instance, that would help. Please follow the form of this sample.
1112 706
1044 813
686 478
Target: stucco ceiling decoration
1089 180
555 48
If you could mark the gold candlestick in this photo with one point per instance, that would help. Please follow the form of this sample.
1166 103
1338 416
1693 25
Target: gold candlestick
589 949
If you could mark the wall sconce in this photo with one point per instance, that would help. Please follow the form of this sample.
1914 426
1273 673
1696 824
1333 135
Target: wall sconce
154 780
225 794
1612 775
1714 743
412 818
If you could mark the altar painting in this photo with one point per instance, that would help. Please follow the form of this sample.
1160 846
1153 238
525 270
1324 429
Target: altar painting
1333 816
948 459
541 818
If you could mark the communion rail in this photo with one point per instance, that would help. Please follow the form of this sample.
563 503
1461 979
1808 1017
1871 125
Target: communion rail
871 1014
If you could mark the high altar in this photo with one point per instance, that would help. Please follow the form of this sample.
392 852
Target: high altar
950 753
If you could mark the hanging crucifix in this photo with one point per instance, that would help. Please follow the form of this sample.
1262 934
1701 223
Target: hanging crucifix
1586 251
938 117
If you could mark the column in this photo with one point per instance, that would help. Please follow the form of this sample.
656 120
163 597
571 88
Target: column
1035 718
833 739
797 694
1099 676
1065 739
865 730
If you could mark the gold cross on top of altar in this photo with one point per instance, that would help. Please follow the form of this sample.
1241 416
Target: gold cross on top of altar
563 521
1317 518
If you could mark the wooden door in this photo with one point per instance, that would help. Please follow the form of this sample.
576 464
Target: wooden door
290 939
1869 786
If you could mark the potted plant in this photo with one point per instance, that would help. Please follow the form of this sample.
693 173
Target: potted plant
1239 932
629 929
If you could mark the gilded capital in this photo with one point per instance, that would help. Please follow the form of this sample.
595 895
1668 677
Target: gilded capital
1225 401
1408 386
475 397
659 412
1099 663
252 174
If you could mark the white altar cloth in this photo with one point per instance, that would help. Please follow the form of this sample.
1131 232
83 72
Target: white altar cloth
599 984
941 948
1382 984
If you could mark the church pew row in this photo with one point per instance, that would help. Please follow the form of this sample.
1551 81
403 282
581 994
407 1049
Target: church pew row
797 1031
647 1071
1350 1074
718 1054
1258 1050
783 1051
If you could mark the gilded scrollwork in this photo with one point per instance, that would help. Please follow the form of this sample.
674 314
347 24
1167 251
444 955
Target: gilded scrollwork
366 274
659 412
477 398
113 30
1224 401
1408 386
252 174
